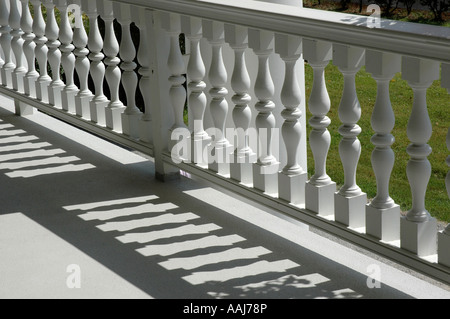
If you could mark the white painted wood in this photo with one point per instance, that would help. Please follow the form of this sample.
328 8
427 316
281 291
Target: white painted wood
5 43
349 200
113 112
292 179
17 45
444 236
243 156
382 214
26 23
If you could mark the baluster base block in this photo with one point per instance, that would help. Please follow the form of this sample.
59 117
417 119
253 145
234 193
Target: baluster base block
219 160
41 87
130 124
265 178
68 100
7 80
319 198
54 95
419 238
198 147
350 211
241 168
30 86
291 188
145 131
113 118
444 249
23 109
82 106
98 112
18 81
383 224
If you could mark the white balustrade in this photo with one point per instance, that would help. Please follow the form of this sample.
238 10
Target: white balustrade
265 170
115 108
292 179
382 214
220 148
17 46
97 67
197 100
26 23
320 188
54 56
67 58
5 42
84 95
418 228
243 157
131 114
349 201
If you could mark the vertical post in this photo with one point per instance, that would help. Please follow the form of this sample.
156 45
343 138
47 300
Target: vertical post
320 188
115 108
17 46
5 42
97 67
67 59
243 157
292 179
418 228
29 45
127 51
220 148
350 201
54 56
265 169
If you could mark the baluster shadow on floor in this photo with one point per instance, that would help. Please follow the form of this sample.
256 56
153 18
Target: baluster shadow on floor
165 240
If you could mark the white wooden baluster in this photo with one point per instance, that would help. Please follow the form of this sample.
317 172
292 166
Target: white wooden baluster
220 148
131 115
382 214
5 42
265 170
320 188
444 236
144 59
41 52
292 179
17 46
84 95
243 156
350 201
418 229
97 68
29 45
54 56
68 58
115 108
196 72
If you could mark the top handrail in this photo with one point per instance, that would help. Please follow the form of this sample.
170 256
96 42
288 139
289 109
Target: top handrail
404 38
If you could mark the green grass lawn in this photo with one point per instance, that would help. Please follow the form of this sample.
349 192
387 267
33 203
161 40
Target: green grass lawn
437 202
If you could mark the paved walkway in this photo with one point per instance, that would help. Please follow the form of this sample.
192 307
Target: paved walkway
82 218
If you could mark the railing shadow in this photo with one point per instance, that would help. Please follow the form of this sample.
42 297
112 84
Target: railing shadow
157 236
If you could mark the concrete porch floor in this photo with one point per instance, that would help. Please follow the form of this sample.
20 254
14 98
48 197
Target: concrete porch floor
77 209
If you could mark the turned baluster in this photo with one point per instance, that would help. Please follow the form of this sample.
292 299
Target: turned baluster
265 169
243 156
418 228
29 46
292 178
350 201
5 42
17 46
115 108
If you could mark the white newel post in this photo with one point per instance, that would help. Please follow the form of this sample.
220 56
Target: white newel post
26 23
350 201
17 45
197 100
292 179
5 42
97 68
241 161
41 52
54 56
144 59
418 230
320 188
382 214
220 148
115 108
84 95
265 170
444 236
67 58
131 115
